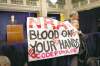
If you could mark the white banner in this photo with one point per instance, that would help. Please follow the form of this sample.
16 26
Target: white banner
49 38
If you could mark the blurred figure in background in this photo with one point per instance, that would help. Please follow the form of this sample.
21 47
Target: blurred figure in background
4 61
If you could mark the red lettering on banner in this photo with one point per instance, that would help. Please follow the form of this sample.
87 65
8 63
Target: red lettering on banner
31 21
38 24
47 21
55 53
56 27
30 52
73 50
62 52
49 54
33 55
44 55
63 25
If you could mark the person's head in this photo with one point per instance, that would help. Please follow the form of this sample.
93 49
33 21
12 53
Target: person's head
4 61
75 23
74 15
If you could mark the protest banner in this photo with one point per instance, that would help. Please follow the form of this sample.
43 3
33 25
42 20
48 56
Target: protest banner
49 38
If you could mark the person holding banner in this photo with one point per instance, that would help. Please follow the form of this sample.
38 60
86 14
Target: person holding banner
75 23
81 57
72 60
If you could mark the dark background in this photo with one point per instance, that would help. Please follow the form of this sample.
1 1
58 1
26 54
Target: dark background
90 25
